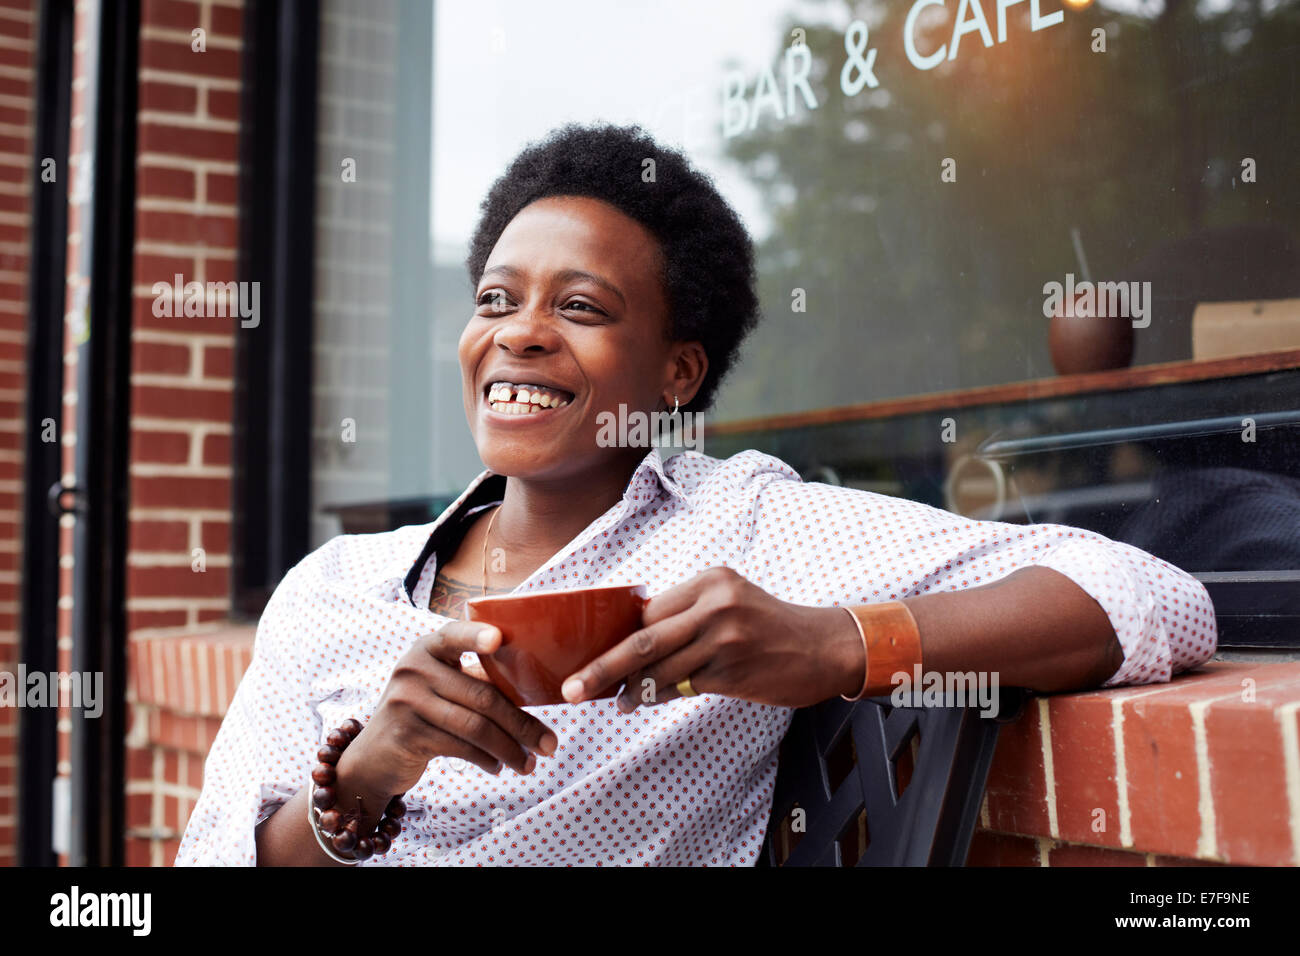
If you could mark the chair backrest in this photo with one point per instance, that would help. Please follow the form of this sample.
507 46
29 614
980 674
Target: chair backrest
869 784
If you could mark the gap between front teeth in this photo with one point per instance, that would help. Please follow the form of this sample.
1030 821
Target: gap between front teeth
507 397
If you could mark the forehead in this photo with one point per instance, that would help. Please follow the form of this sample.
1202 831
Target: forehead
578 232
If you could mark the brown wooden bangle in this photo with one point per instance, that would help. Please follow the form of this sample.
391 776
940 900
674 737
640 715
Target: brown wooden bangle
891 641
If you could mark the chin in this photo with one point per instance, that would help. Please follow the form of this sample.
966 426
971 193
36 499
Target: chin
520 459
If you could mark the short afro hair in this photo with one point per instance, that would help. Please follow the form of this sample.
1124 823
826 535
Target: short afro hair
707 254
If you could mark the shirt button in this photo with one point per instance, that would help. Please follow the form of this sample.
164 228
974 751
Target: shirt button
456 764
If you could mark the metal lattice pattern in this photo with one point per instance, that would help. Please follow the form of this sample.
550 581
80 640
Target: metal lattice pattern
868 784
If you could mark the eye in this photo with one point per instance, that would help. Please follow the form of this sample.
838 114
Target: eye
573 305
494 299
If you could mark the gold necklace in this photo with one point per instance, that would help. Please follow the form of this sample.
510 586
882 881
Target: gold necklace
487 536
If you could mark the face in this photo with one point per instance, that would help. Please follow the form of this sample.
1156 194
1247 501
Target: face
571 309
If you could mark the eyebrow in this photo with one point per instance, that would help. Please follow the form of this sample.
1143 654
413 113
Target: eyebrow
566 275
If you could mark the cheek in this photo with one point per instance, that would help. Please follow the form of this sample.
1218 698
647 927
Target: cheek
469 349
628 366
465 342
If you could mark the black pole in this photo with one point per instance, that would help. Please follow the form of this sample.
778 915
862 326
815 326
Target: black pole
103 409
42 458
273 409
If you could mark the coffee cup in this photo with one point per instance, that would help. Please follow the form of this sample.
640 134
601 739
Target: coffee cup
547 636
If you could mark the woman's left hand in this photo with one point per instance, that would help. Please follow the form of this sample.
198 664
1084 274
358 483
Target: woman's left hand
729 637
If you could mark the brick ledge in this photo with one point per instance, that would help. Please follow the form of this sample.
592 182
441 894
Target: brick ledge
1205 767
194 673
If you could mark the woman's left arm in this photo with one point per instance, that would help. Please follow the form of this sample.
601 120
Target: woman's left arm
1071 610
1035 628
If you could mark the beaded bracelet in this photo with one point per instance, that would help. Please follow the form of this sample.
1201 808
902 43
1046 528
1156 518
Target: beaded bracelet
342 827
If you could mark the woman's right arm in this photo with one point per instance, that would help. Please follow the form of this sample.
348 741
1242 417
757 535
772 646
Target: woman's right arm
252 808
429 708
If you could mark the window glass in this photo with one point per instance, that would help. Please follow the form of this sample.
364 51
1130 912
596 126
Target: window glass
946 196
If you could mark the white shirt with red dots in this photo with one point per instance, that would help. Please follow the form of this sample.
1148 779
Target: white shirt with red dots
686 782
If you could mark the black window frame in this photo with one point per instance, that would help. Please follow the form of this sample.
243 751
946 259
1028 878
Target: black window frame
271 449
43 461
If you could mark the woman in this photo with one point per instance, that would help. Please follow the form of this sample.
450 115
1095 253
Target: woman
598 286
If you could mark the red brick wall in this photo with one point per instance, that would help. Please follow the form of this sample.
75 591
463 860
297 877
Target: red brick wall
181 385
17 73
181 382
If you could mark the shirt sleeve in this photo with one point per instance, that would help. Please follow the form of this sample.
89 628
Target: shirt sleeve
860 547
263 752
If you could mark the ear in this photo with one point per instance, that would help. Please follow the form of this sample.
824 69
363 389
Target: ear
688 364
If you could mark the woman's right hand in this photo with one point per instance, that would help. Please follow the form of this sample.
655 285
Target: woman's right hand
433 708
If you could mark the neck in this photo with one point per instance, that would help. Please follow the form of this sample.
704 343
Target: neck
538 517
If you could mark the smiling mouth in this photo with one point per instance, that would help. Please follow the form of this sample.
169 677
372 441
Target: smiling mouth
511 399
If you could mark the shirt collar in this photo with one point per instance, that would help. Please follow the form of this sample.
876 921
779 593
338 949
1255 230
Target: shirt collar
651 472
484 489
650 476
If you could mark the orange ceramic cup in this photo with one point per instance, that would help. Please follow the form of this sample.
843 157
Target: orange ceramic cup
547 636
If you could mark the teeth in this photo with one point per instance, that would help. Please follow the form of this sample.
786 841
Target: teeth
515 408
525 397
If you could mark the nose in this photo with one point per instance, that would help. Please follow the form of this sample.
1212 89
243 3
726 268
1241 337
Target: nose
528 328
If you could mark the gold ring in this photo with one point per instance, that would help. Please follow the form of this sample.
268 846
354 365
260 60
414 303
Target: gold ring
685 689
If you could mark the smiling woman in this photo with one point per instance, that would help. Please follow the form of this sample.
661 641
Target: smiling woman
365 730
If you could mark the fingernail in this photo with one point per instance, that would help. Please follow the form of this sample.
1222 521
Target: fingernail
530 763
485 637
572 688
625 705
548 744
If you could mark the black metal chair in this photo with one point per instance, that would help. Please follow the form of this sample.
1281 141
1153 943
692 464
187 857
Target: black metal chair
869 784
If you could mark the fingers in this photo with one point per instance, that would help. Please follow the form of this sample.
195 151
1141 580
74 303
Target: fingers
449 745
716 587
457 637
657 684
471 729
473 668
636 652
673 601
671 619
460 704
477 712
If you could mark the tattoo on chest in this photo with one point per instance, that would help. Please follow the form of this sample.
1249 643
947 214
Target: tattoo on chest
450 594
